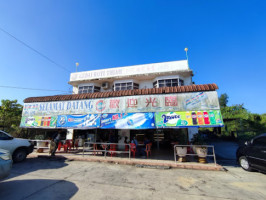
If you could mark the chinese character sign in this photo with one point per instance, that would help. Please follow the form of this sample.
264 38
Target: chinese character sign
128 104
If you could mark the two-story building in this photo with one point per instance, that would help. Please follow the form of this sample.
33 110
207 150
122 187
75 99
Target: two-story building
158 101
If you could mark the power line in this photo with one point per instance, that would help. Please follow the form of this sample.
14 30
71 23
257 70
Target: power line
36 51
13 87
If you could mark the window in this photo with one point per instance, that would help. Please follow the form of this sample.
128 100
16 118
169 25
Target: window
89 89
260 142
168 83
3 136
126 86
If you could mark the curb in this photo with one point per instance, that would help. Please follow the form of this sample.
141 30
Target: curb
138 163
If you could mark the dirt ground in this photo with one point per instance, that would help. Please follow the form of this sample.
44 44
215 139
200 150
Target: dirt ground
41 178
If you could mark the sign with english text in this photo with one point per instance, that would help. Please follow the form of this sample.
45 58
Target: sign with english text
128 104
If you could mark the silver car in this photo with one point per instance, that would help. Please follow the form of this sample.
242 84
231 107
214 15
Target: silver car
5 163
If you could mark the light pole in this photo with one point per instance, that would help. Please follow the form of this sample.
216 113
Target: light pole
77 64
186 49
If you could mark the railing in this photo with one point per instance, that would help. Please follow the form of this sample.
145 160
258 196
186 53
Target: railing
104 148
191 151
41 144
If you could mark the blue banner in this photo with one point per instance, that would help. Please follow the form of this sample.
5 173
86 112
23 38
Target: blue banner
78 121
128 121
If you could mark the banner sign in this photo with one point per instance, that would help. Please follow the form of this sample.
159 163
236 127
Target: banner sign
129 104
128 121
78 121
211 118
38 122
131 70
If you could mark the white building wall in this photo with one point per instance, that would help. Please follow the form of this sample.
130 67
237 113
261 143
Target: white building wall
145 84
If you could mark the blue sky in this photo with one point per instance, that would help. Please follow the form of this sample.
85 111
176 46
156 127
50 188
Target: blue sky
226 41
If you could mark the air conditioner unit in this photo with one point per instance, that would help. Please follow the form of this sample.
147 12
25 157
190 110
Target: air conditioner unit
105 85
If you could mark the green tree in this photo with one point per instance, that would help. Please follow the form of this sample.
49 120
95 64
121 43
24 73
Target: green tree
10 115
223 100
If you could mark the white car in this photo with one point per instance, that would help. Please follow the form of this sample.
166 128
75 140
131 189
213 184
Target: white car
18 148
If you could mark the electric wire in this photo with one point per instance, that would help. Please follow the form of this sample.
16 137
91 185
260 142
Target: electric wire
36 51
23 88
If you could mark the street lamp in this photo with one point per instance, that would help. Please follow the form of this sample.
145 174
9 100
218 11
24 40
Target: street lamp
77 64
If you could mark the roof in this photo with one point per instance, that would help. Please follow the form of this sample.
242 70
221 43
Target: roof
149 91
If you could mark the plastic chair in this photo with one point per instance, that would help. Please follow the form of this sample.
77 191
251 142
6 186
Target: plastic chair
95 149
133 149
67 145
126 147
148 149
112 148
60 145
76 143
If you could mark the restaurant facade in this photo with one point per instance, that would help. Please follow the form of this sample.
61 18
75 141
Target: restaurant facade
158 101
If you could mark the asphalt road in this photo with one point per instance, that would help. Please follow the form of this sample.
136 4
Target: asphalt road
40 178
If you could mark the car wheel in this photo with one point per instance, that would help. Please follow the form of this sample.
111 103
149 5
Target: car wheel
19 155
243 161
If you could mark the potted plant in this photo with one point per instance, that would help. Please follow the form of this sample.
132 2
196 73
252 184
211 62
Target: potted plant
181 151
199 147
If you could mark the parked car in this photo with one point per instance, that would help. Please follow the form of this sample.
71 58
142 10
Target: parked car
252 155
18 148
5 163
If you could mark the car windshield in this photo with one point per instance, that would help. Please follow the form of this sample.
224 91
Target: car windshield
5 133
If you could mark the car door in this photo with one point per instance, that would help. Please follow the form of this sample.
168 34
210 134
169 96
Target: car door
5 141
257 153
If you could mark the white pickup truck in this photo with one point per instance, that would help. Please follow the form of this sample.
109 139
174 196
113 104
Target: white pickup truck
18 148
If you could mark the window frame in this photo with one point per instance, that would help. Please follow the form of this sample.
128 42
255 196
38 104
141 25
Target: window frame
125 86
88 89
168 82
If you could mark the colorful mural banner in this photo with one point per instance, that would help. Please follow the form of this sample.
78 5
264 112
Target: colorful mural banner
38 122
78 121
130 104
128 121
210 118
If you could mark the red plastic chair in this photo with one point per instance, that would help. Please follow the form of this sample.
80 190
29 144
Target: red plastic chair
95 149
67 145
126 147
76 143
148 149
112 148
60 145
133 149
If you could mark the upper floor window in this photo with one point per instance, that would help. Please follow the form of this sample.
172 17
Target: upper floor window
89 89
125 86
168 83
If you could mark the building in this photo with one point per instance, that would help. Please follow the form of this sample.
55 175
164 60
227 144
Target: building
157 100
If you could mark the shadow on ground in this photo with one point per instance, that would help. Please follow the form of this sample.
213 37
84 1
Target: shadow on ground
37 189
34 164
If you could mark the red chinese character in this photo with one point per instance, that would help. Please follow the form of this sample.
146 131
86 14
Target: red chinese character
171 101
114 103
132 103
152 101
115 117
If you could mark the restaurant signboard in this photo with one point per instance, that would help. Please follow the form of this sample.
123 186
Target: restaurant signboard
129 104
